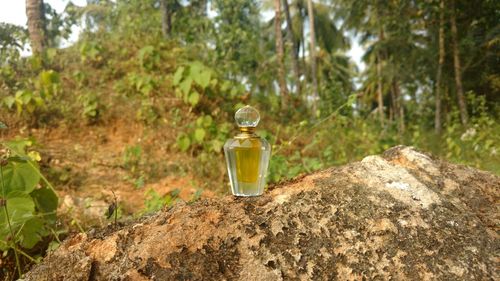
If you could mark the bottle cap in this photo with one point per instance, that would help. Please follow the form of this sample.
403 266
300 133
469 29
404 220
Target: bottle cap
247 117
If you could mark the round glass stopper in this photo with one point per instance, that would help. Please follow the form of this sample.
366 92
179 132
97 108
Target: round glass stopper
247 116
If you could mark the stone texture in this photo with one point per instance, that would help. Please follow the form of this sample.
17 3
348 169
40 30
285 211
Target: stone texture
402 216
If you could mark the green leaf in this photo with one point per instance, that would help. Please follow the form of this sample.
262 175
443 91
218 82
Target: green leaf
183 142
203 79
194 98
238 106
199 134
2 125
49 77
185 85
145 52
199 121
200 73
351 99
194 69
217 145
178 75
9 101
51 53
20 176
207 121
225 86
32 232
20 208
53 245
46 202
18 146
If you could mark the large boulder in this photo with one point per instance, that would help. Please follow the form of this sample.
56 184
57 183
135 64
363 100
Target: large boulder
403 215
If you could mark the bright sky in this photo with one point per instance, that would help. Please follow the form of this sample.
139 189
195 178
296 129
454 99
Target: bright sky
14 11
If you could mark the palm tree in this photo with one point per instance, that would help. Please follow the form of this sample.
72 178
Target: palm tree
437 119
380 95
280 54
458 69
331 67
166 18
36 26
312 54
294 49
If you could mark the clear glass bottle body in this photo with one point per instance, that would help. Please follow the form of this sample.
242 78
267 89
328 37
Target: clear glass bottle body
247 159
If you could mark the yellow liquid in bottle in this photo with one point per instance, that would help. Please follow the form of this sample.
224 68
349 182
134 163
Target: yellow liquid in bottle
247 164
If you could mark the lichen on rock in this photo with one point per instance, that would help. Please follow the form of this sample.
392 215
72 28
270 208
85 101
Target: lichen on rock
402 215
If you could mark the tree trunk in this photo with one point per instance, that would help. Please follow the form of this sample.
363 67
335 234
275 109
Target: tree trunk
402 215
166 18
398 108
380 57
458 69
295 49
437 119
302 42
280 54
312 54
36 25
380 97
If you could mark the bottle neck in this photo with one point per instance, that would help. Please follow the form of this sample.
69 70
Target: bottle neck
247 132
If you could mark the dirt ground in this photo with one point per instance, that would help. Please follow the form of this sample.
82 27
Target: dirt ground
87 164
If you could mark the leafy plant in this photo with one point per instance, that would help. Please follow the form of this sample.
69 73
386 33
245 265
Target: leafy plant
204 133
46 86
91 106
191 81
154 201
149 58
28 200
91 52
132 158
13 39
24 100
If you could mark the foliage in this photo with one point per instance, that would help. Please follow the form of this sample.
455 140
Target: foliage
191 82
91 52
33 95
154 201
149 58
132 158
12 41
28 201
478 145
91 107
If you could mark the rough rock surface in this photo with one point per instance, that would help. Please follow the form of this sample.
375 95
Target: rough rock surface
402 216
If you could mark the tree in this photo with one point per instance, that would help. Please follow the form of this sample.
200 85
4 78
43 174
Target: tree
166 18
238 36
380 95
437 119
280 54
294 48
36 26
312 54
458 69
398 108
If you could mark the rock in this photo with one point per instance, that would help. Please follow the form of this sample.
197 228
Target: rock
402 215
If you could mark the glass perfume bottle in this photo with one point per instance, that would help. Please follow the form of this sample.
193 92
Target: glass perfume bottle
247 155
